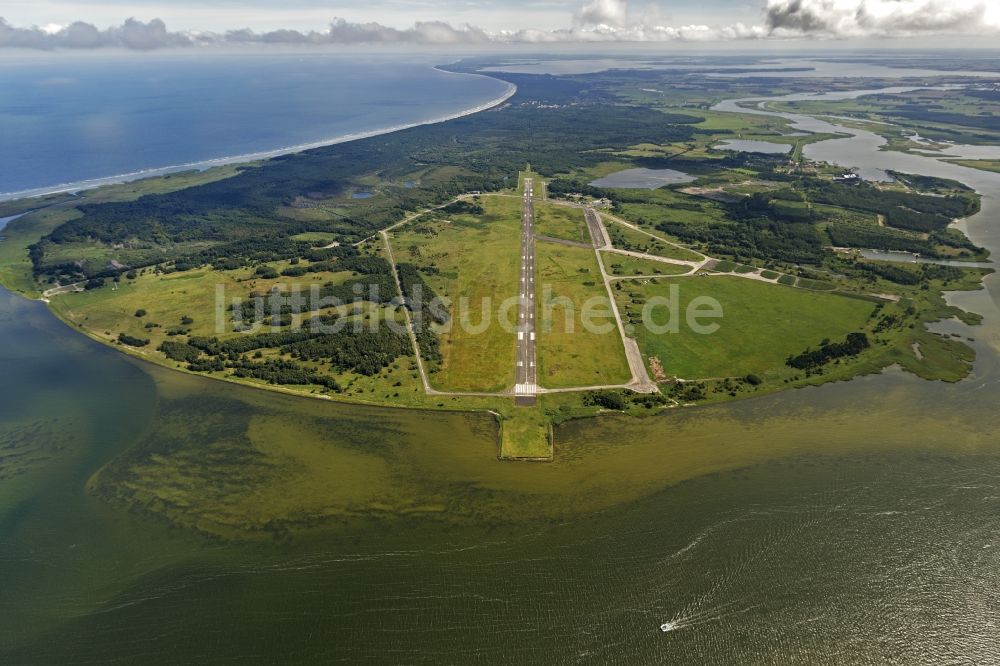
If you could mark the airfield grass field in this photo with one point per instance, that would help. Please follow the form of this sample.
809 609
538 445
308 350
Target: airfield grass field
622 265
626 238
568 278
762 324
474 262
561 222
166 299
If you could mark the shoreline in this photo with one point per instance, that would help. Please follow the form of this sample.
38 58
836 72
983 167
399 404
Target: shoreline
247 158
347 399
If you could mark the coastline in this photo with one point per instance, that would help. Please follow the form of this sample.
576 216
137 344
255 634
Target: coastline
246 158
350 399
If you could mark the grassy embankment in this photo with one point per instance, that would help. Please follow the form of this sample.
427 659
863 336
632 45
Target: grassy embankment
982 165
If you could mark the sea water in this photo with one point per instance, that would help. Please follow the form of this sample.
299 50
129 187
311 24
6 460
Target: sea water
68 120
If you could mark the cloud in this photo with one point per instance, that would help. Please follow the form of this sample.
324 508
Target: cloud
602 13
595 21
132 34
881 18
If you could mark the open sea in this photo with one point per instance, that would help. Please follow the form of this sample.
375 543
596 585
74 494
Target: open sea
71 120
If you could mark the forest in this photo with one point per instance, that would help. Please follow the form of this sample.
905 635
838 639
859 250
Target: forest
365 350
903 210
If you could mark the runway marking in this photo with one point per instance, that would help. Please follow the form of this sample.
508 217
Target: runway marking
525 383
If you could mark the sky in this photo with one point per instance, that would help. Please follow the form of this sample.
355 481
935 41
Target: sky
156 24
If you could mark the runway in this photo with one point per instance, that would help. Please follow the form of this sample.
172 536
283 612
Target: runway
526 382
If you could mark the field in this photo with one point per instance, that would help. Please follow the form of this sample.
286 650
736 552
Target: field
624 265
561 222
762 324
473 262
626 238
164 298
319 237
568 353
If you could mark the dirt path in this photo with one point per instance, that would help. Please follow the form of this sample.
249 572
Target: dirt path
62 289
406 312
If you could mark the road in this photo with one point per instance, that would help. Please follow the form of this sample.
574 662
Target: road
409 322
640 382
597 233
526 377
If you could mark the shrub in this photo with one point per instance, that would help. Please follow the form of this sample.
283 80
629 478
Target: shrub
127 339
606 398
